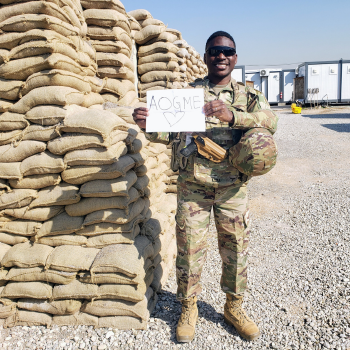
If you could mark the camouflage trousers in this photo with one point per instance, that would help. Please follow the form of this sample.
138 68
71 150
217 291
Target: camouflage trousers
230 207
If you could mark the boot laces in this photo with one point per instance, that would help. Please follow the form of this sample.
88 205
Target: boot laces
239 313
187 307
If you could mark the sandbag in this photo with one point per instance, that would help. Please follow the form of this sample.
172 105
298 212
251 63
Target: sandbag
20 227
75 290
113 33
165 37
106 18
81 174
12 121
36 181
118 87
47 115
35 214
11 239
109 188
43 163
105 240
56 77
23 68
62 194
71 258
17 198
158 57
47 95
115 215
109 228
62 224
140 15
96 156
72 239
158 66
24 149
111 46
26 255
57 307
134 293
91 99
148 32
158 47
40 133
160 75
3 250
24 23
77 319
104 4
5 105
116 72
10 89
10 137
3 56
114 59
128 99
39 274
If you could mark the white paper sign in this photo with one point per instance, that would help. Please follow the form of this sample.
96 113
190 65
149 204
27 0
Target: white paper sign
177 110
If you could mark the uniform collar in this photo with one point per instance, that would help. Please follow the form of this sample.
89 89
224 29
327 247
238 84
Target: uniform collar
229 87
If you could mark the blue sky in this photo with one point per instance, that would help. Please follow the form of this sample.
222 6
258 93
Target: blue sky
266 32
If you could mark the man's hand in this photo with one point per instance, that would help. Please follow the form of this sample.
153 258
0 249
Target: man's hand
140 114
218 109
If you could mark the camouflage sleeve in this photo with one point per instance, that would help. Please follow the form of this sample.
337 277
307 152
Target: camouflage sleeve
160 137
262 116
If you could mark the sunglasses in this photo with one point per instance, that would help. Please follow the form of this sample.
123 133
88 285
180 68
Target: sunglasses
217 50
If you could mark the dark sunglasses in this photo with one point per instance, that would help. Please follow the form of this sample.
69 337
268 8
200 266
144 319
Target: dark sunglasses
216 51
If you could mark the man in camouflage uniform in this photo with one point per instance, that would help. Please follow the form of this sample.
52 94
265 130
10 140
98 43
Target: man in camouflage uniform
203 185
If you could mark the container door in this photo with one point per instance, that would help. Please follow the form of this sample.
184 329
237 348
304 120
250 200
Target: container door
264 86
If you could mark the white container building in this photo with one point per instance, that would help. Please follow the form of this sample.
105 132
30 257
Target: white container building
239 74
326 81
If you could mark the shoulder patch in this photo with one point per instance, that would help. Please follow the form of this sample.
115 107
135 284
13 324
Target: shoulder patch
240 83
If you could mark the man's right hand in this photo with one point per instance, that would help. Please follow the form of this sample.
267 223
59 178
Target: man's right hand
140 114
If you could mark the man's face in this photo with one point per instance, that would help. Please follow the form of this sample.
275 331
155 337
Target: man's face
220 66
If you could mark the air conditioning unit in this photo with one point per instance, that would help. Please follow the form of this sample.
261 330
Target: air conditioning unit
297 71
264 73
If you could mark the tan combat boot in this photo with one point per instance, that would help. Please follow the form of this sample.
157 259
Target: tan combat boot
187 322
236 316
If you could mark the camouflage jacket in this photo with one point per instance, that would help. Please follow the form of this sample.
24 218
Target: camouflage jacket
250 109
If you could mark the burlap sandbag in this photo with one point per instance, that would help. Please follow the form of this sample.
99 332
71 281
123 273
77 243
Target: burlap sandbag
36 181
24 23
58 307
105 240
109 188
10 89
35 214
3 56
158 57
77 319
24 149
71 258
111 46
158 66
47 115
25 67
115 215
164 84
91 99
62 194
5 105
40 133
140 14
110 228
3 250
75 290
141 170
128 99
160 75
48 95
114 59
151 22
28 319
56 77
118 87
56 241
110 307
164 37
10 137
113 33
32 290
106 18
43 163
116 72
40 274
81 174
137 157
96 156
12 121
104 4
11 239
26 255
93 122
149 32
134 293
122 323
62 224
17 198
20 227
158 47
7 308
42 47
141 183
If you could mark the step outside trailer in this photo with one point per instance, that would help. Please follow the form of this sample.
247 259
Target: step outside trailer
323 82
239 74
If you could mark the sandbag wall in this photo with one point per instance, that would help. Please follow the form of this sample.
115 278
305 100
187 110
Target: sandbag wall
109 29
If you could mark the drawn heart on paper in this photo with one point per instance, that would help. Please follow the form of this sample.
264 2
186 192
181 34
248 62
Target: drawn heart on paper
173 118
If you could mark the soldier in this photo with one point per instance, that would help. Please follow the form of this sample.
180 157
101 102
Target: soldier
230 109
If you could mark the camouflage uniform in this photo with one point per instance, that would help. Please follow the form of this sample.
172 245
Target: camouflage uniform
203 185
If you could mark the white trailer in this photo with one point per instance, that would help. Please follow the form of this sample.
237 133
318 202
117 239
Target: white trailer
288 76
239 74
254 76
326 81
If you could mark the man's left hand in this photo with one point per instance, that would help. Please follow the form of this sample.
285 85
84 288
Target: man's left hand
218 109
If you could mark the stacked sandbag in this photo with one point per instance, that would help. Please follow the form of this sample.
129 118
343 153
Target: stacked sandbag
70 224
110 31
191 62
42 45
158 67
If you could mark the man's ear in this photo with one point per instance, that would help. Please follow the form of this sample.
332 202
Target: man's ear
205 58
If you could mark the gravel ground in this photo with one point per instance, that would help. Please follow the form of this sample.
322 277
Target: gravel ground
299 286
